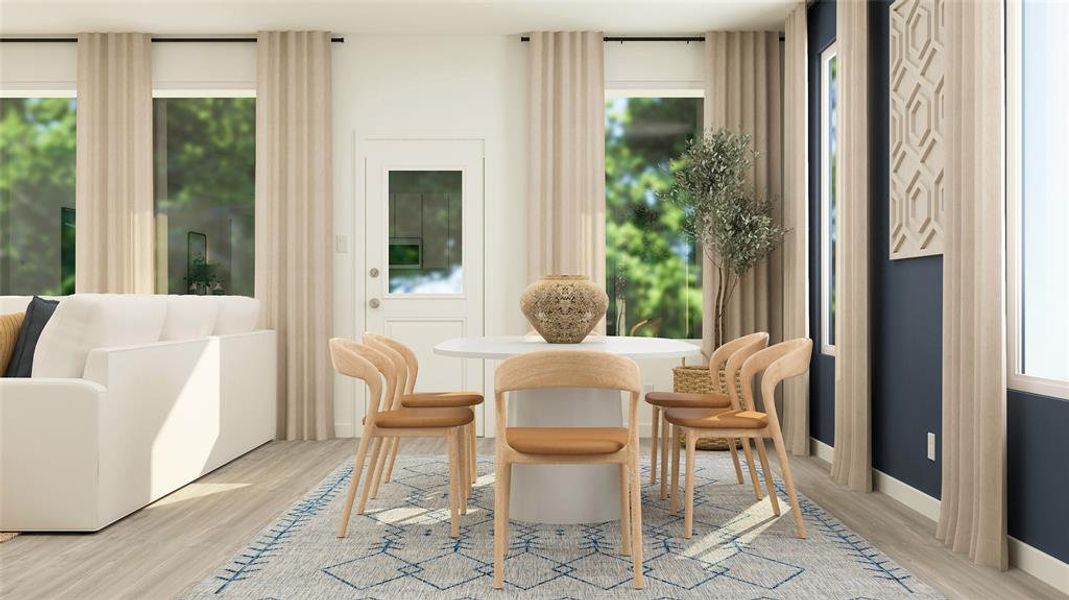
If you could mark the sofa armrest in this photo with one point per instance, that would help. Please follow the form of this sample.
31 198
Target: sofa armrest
49 426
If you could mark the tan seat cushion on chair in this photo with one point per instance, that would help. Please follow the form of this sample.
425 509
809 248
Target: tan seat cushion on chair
424 417
10 324
716 419
567 441
441 399
685 400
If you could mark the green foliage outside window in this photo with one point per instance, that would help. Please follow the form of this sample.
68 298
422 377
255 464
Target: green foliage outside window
653 273
37 163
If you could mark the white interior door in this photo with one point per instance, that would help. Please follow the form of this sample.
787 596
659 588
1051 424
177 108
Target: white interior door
424 243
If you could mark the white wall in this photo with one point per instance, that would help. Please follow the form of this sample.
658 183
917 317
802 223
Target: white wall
430 87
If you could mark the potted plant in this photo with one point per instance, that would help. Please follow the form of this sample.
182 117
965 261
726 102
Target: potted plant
723 214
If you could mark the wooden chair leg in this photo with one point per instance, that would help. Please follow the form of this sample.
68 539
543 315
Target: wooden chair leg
395 447
464 468
354 482
760 443
376 448
688 498
673 506
379 464
474 459
636 523
753 468
625 512
735 458
788 481
454 483
502 485
664 456
655 426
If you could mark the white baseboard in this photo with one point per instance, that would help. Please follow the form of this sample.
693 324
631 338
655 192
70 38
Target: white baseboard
821 450
1029 559
1039 564
344 430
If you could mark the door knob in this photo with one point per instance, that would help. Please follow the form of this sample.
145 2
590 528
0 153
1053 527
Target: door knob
374 272
374 303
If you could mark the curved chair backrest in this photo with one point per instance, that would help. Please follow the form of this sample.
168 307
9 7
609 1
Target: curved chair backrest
411 362
385 367
400 365
720 357
755 342
782 361
569 368
349 361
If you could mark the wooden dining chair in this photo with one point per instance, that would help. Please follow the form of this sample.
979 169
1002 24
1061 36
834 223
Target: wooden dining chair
776 363
726 395
569 445
373 367
408 398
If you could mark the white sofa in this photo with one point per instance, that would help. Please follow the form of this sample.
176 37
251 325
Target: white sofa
131 398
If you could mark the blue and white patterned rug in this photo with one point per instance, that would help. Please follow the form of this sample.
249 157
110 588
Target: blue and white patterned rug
400 548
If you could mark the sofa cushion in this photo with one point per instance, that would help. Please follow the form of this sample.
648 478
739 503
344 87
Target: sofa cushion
237 314
10 324
87 321
12 304
190 317
38 314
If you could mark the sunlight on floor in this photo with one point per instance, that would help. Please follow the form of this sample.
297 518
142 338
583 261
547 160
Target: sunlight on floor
744 528
196 490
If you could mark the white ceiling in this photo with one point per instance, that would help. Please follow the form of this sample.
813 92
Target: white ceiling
41 17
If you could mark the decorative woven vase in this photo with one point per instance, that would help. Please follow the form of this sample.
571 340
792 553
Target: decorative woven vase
564 308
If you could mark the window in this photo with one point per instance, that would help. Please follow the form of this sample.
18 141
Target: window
1037 127
426 226
653 271
205 153
37 137
829 119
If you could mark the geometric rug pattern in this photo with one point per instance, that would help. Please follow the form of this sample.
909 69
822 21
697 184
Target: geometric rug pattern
400 548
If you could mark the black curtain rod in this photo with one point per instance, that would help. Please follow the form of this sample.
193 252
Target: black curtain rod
656 38
243 40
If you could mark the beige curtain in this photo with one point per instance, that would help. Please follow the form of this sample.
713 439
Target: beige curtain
972 514
796 220
566 178
294 227
852 462
115 245
743 93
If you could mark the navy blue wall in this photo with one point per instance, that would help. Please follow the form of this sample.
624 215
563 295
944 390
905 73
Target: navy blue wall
1037 475
907 310
820 21
907 341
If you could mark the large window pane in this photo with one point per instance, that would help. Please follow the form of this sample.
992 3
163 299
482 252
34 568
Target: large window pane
828 187
37 137
1044 208
426 227
205 153
652 270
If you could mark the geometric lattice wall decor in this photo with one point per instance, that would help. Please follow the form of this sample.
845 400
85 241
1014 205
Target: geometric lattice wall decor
918 147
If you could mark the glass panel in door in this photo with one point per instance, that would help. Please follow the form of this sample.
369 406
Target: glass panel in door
426 225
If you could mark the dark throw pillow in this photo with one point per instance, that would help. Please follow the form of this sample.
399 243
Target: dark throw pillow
37 315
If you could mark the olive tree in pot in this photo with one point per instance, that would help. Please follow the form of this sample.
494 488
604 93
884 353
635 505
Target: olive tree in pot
722 213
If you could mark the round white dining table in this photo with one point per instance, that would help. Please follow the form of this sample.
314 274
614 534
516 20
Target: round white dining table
565 493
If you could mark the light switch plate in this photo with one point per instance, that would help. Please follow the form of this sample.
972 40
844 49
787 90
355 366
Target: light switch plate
341 244
931 446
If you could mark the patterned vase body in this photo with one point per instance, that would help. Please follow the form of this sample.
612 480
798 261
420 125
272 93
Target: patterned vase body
564 308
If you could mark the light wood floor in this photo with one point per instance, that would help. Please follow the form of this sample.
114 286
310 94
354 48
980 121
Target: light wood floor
162 550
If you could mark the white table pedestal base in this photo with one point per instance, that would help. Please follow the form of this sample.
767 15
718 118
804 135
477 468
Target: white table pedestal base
565 494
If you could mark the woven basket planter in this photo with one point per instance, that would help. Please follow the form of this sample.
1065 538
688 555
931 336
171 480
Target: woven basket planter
696 380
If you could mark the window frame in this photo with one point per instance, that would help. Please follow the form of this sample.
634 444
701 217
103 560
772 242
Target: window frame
1016 379
831 51
615 90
